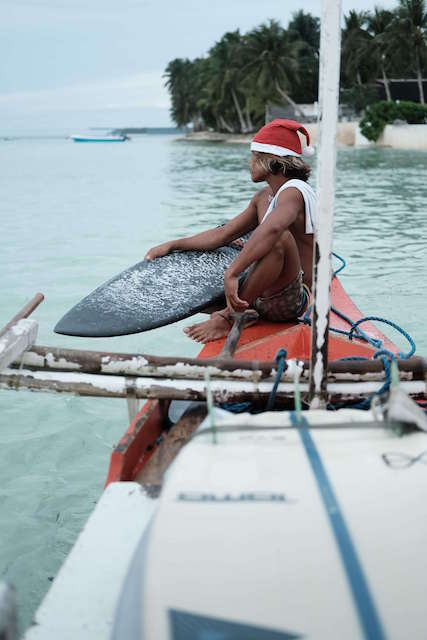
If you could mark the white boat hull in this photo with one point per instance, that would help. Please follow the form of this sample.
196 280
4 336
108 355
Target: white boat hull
243 536
243 540
82 138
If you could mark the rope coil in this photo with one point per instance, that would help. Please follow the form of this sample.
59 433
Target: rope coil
383 354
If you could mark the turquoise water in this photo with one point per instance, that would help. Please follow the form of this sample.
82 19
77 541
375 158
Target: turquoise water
73 216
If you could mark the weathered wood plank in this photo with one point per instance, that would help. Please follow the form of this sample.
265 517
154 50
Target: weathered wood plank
55 358
145 365
123 386
153 471
164 388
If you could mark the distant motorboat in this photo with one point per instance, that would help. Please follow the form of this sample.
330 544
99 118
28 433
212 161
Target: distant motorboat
99 138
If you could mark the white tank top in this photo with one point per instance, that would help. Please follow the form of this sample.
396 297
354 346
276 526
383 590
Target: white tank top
309 202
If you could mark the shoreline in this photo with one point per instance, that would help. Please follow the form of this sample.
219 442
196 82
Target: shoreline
346 135
394 136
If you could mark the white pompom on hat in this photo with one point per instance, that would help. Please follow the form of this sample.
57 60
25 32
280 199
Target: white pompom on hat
280 138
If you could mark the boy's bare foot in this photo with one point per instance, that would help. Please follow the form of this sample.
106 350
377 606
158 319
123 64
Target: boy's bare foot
216 327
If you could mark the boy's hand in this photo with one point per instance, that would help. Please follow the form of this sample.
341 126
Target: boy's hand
231 285
159 251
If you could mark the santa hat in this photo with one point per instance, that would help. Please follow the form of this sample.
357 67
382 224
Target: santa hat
280 138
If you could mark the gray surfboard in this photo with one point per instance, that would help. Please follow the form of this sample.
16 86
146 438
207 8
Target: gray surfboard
151 294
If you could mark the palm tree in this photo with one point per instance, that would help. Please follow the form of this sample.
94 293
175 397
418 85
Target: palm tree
223 87
272 67
380 46
184 79
178 80
411 33
304 30
355 38
307 28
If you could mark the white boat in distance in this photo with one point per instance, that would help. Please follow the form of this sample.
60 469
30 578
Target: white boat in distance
98 138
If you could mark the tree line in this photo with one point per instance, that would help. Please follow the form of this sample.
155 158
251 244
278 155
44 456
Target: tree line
229 89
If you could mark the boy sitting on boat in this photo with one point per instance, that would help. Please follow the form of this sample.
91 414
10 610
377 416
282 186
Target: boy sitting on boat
279 252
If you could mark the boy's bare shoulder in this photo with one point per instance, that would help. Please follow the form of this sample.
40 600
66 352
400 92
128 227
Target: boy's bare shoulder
261 196
262 193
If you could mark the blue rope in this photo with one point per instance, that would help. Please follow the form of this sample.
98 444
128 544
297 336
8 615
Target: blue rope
357 581
359 332
402 356
236 407
280 360
342 266
385 355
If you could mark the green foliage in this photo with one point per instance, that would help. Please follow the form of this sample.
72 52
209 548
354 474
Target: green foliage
229 88
412 112
356 65
182 77
272 61
359 96
305 30
381 113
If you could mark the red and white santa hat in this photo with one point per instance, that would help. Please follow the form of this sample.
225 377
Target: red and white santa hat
280 138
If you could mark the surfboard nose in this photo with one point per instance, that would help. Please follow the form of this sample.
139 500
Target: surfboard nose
93 318
86 325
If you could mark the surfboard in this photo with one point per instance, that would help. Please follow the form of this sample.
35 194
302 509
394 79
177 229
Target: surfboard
151 294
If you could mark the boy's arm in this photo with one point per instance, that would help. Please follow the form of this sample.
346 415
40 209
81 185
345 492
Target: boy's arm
213 238
260 243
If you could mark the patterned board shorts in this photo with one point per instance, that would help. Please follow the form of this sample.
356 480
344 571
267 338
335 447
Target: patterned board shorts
287 304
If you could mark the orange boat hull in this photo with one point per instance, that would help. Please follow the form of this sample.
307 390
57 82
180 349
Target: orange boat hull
262 341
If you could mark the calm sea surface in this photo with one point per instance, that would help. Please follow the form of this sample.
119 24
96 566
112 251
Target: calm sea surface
74 215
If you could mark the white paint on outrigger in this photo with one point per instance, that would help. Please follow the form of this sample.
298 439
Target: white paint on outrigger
16 340
142 387
133 365
139 366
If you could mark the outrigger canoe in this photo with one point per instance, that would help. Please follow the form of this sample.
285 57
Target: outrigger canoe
266 524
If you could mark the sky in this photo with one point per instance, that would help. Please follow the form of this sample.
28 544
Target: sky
87 63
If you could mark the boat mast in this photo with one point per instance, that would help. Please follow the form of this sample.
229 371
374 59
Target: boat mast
329 76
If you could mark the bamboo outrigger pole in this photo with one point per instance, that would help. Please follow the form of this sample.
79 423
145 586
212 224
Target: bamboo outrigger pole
25 312
329 74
